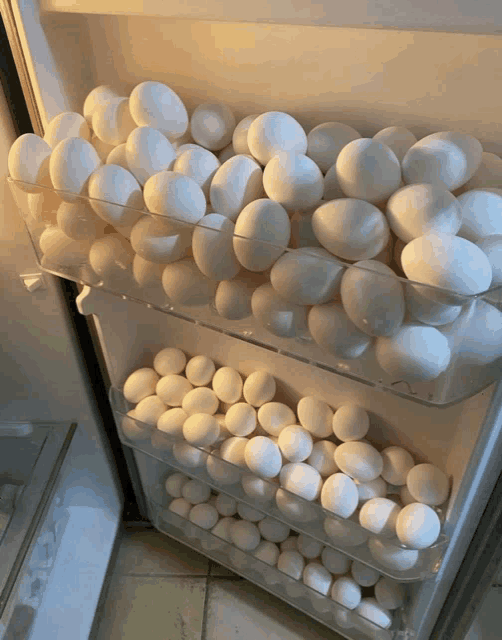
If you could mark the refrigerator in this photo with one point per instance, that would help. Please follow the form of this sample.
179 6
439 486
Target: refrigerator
73 463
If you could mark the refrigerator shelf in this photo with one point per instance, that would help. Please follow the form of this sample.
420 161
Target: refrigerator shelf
313 517
294 592
282 327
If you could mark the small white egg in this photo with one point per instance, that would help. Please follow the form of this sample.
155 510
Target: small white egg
379 515
397 463
418 526
148 152
196 492
259 388
198 164
99 95
492 247
248 513
188 456
112 122
468 144
310 548
200 370
263 457
140 384
273 132
66 125
79 221
322 457
481 214
437 162
364 576
201 429
346 592
111 258
169 360
172 388
273 530
376 488
113 184
118 157
389 594
180 507
351 229
276 315
160 240
175 196
346 533
156 105
213 249
61 250
301 479
291 563
226 505
350 422
236 184
405 496
293 180
257 488
227 384
267 552
428 311
295 508
317 577
295 443
222 529
339 495
221 471
428 484
203 515
102 148
149 410
245 535
212 125
233 451
240 419
171 422
200 400
392 557
398 139
369 609
233 299
415 354
71 164
359 460
315 416
325 142
334 561
185 285
488 175
274 416
175 483
29 161
240 135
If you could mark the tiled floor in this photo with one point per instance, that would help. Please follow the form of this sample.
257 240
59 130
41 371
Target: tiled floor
161 590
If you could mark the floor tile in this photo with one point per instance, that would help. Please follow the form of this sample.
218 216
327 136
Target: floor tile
154 553
157 608
242 611
221 571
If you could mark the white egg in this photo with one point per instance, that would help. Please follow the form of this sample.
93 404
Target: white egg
227 384
295 443
405 496
200 370
392 557
185 285
449 262
113 184
359 460
345 533
240 135
203 515
171 422
267 552
240 419
376 488
181 148
293 180
226 505
102 148
438 162
273 530
428 311
245 535
389 593
118 156
169 360
315 416
398 139
172 389
368 170
212 125
468 144
221 471
140 384
79 221
418 209
373 298
278 316
492 247
98 96
66 125
174 195
369 609
112 122
325 142
198 164
273 132
350 422
226 153
174 484
154 104
248 513
196 492
188 456
339 495
317 577
213 249
397 462
364 576
428 484
322 457
71 164
111 258
259 388
488 175
334 561
61 250
418 526
201 400
222 528
180 507
295 508
332 188
259 489
332 330
233 299
161 240
346 592
379 515
307 276
274 416
44 206
232 450
148 152
263 457
351 229
310 548
481 213
291 563
149 410
235 184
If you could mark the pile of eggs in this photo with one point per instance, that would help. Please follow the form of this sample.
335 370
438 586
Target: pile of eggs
259 218
239 433
348 582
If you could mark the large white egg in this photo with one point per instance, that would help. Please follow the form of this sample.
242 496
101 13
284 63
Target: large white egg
118 156
418 209
203 515
429 311
368 170
398 139
351 229
295 508
111 258
446 261
233 299
278 316
315 416
196 492
149 410
488 175
322 457
259 388
212 125
79 221
221 471
317 577
274 417
148 152
437 162
346 592
492 247
379 515
235 184
291 563
198 164
301 479
350 422
267 552
62 250
200 429
339 495
248 513
188 456
112 122
184 284
172 388
263 457
240 419
140 384
332 330
391 556
227 384
373 298
66 125
397 463
71 164
113 184
160 240
180 507
240 135
325 142
200 370
345 533
175 196
293 180
389 593
259 489
364 576
359 460
99 95
273 530
262 232
295 443
273 132
468 144
415 354
201 400
369 609
428 484
154 104
171 422
374 489
212 247
334 561
307 276
418 526
481 213
245 535
174 484
169 360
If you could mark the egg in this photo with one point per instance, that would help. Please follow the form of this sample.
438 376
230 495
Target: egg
389 594
61 250
118 156
112 121
241 419
160 240
248 513
295 443
172 388
171 422
317 577
196 492
315 416
140 384
368 170
198 164
245 535
226 153
235 184
44 206
397 463
174 484
212 125
273 530
310 548
392 557
226 505
79 222
488 175
259 489
345 533
405 496
180 507
468 144
332 330
325 142
181 148
233 299
339 495
200 370
418 526
188 456
418 209
98 96
233 451
156 105
369 609
273 132
492 248
174 195
373 298
278 316
227 384
203 515
351 229
359 460
66 125
113 184
263 457
267 552
222 528
428 311
398 139
295 508
148 152
364 576
274 416
376 488
437 162
213 249
149 410
259 388
293 180
334 561
428 484
185 285
350 422
111 258
379 515
221 471
291 563
200 400
322 457
481 214
301 479
346 592
71 164
240 135
169 360
332 188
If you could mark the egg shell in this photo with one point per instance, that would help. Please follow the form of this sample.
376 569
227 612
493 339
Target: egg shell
373 298
295 508
379 515
71 164
273 132
156 105
364 576
188 456
392 557
233 299
226 505
200 370
339 495
241 419
263 457
213 249
346 592
351 229
274 416
203 515
100 95
389 594
61 250
322 457
78 221
118 157
368 169
488 175
233 451
111 258
259 388
267 552
492 247
227 384
350 422
235 184
437 162
140 384
171 422
175 196
398 139
291 563
428 484
196 492
66 125
200 400
345 533
212 125
325 142
172 389
174 484
376 488
397 462
148 152
273 530
185 285
418 526
359 460
221 471
369 609
222 529
332 330
248 513
418 209
240 135
334 561
481 213
301 479
180 507
113 184
310 548
295 443
245 535
29 161
315 416
428 311
169 360
198 164
149 410
293 180
112 121
276 315
160 240
468 144
317 577
258 488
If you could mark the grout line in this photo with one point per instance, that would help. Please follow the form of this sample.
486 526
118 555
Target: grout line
203 630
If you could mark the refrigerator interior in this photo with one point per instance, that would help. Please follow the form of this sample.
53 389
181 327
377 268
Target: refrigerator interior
367 78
